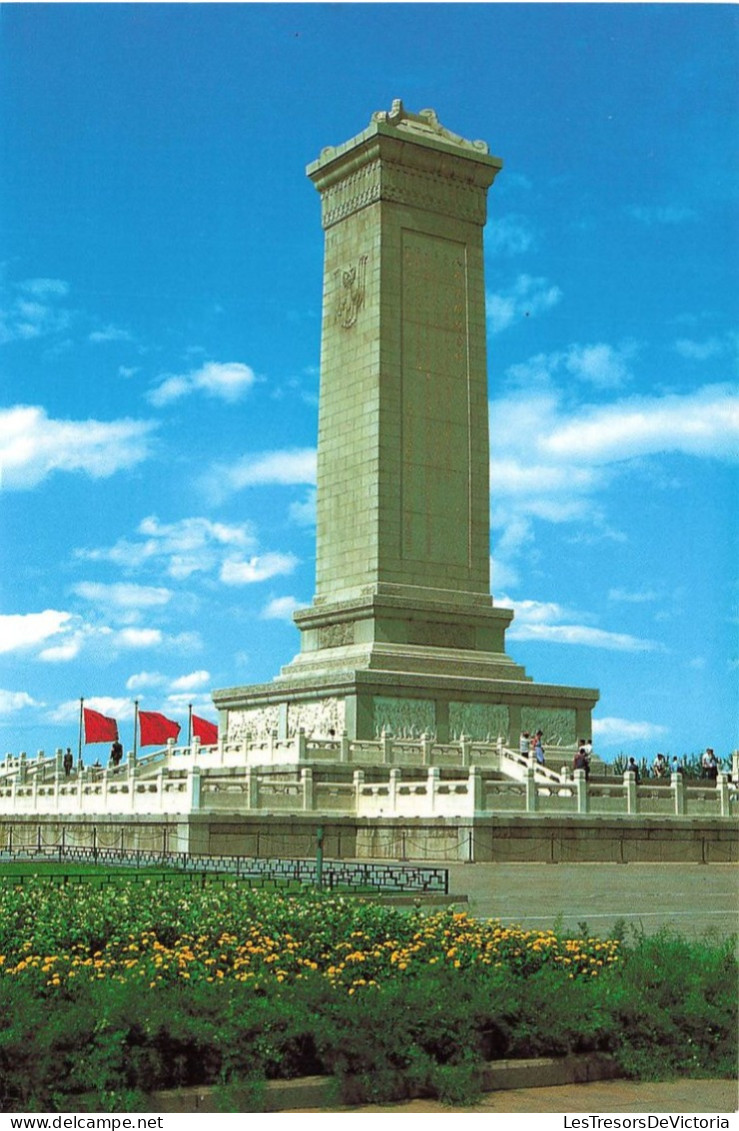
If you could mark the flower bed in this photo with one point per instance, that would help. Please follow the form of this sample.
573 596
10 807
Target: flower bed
127 988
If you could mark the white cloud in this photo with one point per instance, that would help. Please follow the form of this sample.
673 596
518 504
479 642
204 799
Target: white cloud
600 365
11 701
43 288
544 621
122 595
612 731
528 296
281 608
191 681
552 460
583 636
228 381
508 235
23 630
145 679
139 638
109 334
632 598
258 568
32 446
111 707
703 423
288 467
189 546
304 514
26 318
661 213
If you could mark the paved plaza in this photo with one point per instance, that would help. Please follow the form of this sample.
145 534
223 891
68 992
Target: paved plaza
695 899
672 1097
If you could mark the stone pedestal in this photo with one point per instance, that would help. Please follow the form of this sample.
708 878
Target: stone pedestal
403 634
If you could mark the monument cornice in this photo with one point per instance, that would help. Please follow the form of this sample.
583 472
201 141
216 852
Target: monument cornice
385 164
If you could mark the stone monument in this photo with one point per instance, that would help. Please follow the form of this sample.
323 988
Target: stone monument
403 635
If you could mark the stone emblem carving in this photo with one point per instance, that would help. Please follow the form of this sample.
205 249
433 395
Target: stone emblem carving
351 292
335 635
425 122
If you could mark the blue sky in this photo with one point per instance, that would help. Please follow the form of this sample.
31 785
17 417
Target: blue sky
160 327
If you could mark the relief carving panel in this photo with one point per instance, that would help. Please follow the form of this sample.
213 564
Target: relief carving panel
403 718
482 721
259 722
317 718
558 724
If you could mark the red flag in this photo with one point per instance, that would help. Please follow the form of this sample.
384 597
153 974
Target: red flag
156 729
205 731
99 728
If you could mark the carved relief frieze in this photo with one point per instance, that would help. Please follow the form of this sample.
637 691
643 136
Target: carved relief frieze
484 722
558 724
403 718
317 719
449 194
336 635
355 191
259 722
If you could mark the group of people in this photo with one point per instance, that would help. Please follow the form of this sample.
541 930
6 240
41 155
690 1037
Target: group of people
534 745
116 757
529 745
662 768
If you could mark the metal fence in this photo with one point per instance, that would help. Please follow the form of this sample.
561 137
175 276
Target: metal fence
308 872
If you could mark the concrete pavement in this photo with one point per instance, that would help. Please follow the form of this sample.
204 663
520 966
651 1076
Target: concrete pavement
694 899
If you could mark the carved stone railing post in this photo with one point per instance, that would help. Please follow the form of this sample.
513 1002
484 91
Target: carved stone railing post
194 779
23 768
358 787
464 743
532 800
427 743
393 784
195 747
306 780
630 791
722 788
475 788
302 745
170 753
432 785
678 791
344 747
581 786
386 745
252 788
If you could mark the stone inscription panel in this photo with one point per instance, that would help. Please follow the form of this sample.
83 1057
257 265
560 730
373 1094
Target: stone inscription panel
435 401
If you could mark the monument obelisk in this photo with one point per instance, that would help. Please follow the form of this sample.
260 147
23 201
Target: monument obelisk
403 634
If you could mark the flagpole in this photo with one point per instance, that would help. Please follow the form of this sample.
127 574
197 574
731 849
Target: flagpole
135 726
189 724
79 744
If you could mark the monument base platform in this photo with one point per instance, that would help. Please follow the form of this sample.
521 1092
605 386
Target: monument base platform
433 700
